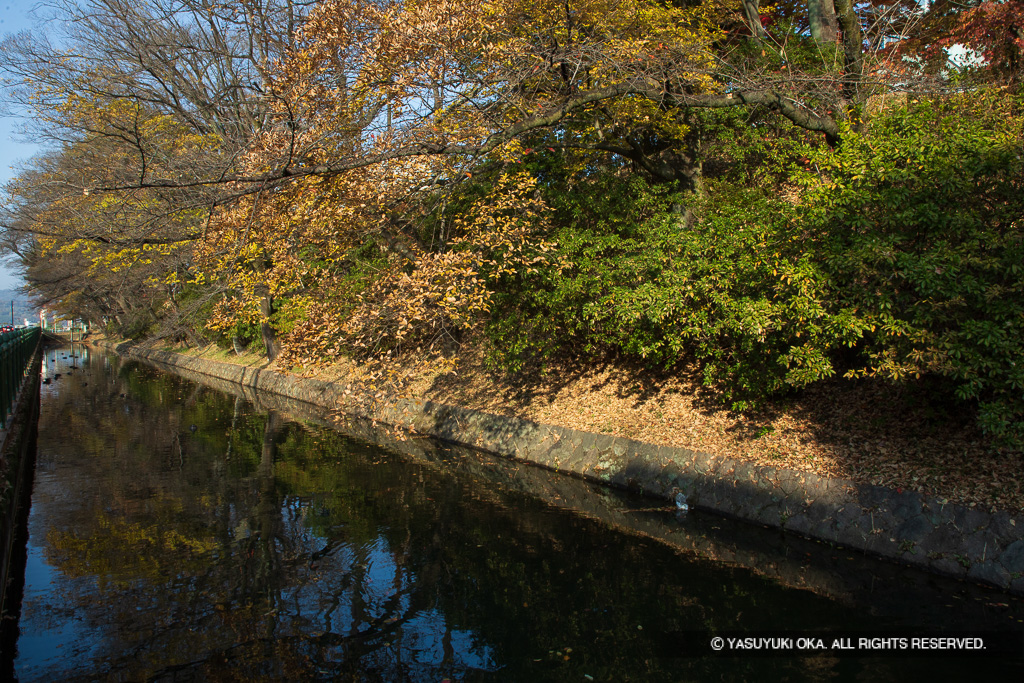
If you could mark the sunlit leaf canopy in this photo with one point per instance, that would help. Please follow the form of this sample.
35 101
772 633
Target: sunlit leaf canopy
349 178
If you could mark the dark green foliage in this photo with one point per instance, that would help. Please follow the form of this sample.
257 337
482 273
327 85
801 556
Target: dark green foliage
138 324
907 245
920 226
247 335
735 290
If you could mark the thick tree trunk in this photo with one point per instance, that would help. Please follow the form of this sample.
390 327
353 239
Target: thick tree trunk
822 17
853 50
266 330
752 11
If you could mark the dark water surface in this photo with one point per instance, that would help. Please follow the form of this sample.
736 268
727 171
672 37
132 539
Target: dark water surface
178 533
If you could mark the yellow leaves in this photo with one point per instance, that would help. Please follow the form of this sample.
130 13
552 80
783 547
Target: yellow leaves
512 151
633 110
109 259
388 74
443 292
173 138
425 298
419 78
616 32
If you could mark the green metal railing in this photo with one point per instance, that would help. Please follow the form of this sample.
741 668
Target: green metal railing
16 349
76 331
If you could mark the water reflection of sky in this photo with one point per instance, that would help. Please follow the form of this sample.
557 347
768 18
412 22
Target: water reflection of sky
55 638
234 550
423 639
109 624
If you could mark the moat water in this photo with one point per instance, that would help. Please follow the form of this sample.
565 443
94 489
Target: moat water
182 534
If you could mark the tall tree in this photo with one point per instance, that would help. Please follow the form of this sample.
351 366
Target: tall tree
149 101
262 142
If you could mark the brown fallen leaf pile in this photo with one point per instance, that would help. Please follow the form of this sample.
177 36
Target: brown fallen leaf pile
864 430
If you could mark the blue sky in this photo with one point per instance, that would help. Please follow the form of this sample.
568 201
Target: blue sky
14 17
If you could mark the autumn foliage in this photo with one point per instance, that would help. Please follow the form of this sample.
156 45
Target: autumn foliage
778 194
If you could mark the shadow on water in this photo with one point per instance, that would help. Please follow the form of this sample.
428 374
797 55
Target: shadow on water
181 533
15 520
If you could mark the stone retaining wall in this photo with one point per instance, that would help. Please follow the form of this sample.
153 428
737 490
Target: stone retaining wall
17 462
947 539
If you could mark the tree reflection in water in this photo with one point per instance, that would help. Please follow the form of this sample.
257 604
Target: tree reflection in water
254 548
184 550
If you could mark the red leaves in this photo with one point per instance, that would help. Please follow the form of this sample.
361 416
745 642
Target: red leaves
992 30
